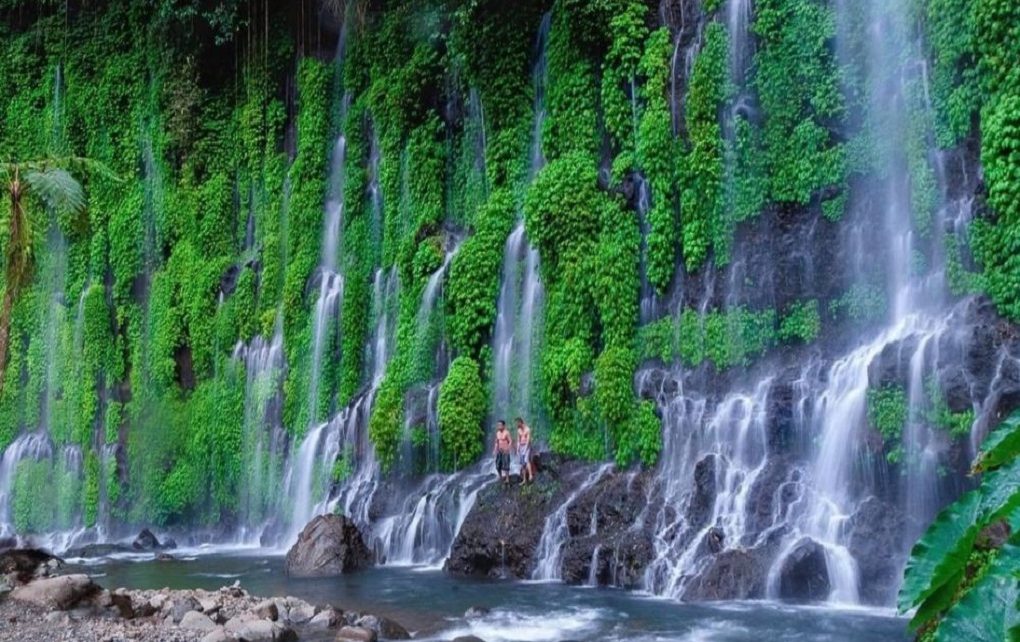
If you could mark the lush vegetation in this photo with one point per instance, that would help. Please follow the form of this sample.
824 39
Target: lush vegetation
962 575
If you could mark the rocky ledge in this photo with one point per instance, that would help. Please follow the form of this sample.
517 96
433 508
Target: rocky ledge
39 604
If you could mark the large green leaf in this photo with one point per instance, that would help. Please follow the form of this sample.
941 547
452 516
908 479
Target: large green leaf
988 610
942 553
1001 446
1000 493
937 602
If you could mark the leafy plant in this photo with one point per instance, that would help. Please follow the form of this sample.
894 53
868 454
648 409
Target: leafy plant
955 600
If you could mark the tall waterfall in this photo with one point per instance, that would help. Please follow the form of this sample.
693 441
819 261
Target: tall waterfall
519 312
739 480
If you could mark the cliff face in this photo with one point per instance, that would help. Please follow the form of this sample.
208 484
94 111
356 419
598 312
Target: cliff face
761 252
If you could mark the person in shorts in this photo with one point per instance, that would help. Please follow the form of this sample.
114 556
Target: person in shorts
501 449
524 452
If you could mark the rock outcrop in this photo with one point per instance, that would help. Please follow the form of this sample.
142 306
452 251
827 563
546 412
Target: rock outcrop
328 545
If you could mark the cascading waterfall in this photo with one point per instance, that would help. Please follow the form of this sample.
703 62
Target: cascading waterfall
554 533
519 311
725 440
264 440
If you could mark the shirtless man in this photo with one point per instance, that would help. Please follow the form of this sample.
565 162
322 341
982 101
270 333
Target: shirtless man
524 452
501 450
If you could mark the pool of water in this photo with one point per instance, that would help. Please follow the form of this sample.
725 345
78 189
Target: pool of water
432 604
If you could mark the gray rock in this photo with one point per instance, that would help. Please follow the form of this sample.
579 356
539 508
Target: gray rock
209 605
385 627
182 606
63 592
328 545
216 635
468 638
300 614
56 617
267 610
264 631
356 634
195 621
24 564
325 619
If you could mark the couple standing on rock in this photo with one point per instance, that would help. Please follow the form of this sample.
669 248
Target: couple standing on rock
503 447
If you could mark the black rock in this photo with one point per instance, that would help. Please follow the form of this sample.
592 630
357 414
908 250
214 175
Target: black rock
804 575
97 550
328 545
145 541
876 534
26 563
737 574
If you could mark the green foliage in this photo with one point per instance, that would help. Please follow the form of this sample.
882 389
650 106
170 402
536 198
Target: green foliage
657 155
703 198
461 413
955 82
940 579
799 89
802 322
887 413
862 302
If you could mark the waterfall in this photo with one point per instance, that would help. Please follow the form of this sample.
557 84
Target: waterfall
549 555
35 446
726 483
263 437
519 308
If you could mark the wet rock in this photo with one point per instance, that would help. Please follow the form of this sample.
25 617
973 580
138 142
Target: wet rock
98 550
804 574
876 545
737 574
356 634
468 638
385 627
500 535
328 545
703 498
63 592
195 621
145 541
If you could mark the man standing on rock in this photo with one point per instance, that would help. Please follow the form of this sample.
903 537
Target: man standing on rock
502 452
524 452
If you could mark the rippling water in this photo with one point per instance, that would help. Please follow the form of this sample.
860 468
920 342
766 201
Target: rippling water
432 604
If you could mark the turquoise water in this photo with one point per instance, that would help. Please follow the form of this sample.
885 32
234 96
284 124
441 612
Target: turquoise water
432 604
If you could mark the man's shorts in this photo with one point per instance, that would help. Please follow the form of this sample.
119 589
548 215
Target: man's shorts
503 462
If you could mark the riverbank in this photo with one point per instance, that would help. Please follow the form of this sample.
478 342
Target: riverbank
39 600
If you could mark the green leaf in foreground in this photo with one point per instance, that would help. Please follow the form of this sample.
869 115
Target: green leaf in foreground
987 611
1000 446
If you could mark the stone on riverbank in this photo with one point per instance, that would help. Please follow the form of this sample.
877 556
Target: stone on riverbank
63 592
356 634
328 545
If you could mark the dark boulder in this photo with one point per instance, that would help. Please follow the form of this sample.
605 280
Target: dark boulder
703 498
876 543
328 545
737 574
27 563
145 541
98 550
804 574
500 535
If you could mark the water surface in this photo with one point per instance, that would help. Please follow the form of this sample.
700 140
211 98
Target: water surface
432 604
